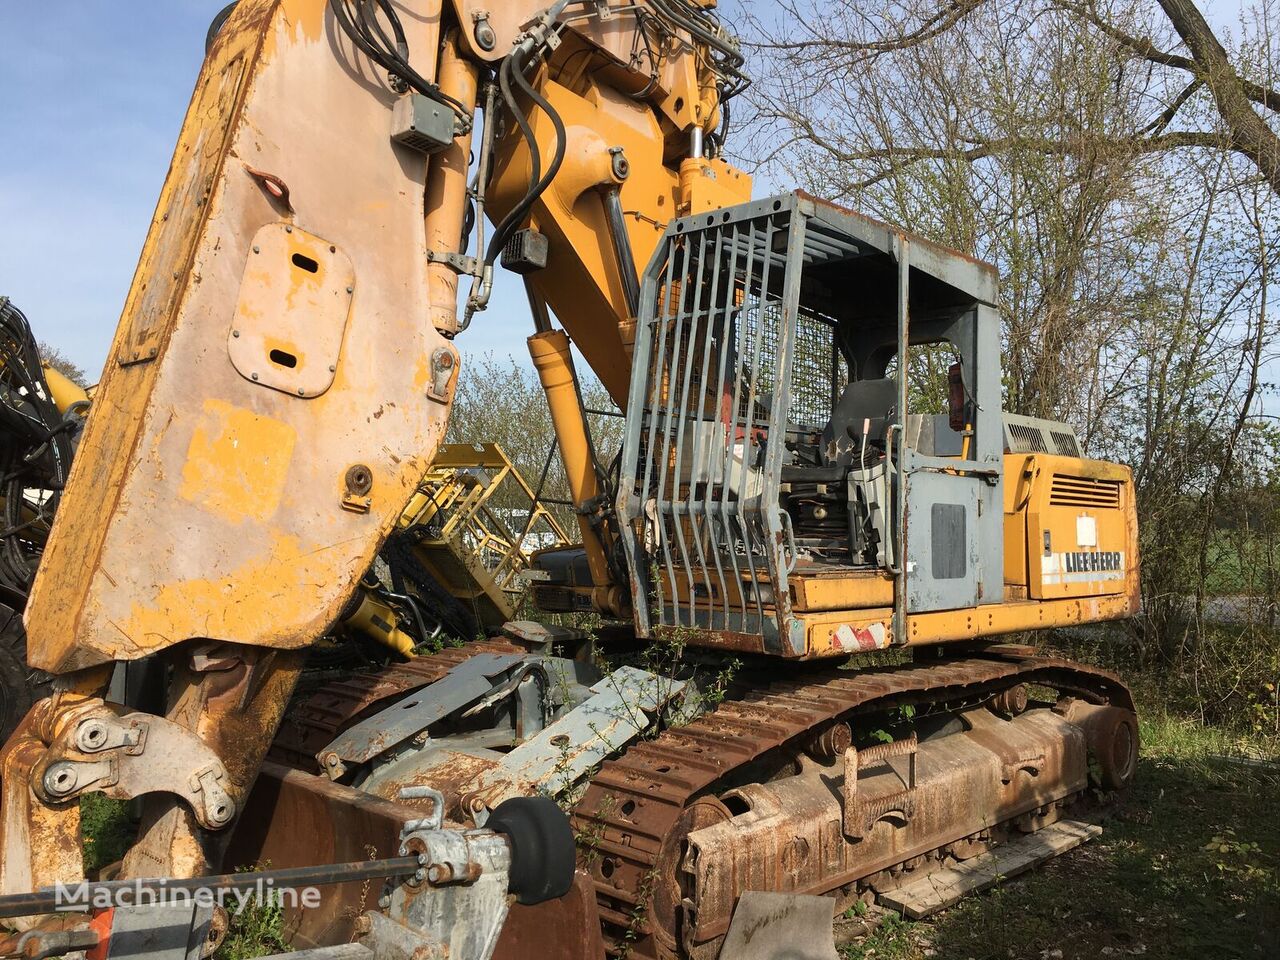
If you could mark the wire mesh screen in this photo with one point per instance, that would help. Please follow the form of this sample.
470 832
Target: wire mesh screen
703 527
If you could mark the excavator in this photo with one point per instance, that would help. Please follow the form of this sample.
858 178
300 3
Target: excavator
811 571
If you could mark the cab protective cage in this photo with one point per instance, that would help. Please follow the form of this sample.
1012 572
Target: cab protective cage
767 359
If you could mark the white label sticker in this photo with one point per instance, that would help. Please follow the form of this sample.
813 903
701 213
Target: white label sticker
1086 532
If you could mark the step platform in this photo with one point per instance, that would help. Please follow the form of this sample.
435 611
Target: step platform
944 888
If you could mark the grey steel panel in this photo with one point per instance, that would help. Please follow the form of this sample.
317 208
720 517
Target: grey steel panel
464 684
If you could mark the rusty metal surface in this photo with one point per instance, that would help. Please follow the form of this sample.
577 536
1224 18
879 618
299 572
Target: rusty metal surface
312 723
564 929
634 811
294 819
232 698
461 687
218 512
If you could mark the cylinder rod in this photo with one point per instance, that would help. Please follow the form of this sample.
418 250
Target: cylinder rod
622 250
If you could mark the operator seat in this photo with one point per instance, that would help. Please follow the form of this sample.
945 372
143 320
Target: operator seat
868 402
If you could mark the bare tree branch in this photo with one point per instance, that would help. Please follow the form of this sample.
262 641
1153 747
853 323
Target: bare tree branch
1149 51
1250 134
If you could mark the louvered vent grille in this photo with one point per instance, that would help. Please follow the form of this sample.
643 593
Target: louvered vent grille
1026 439
1068 491
1065 444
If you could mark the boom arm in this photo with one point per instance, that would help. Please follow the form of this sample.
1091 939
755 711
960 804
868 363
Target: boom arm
283 370
288 274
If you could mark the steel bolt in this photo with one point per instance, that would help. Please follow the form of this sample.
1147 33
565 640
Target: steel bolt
254 376
301 392
288 229
235 333
351 289
257 249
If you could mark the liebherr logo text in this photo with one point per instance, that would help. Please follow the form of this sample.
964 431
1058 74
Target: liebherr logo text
1085 562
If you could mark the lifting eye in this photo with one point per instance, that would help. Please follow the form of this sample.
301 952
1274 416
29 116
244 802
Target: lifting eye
283 359
305 263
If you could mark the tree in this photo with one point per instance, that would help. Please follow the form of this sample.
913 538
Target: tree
501 401
1135 236
1204 74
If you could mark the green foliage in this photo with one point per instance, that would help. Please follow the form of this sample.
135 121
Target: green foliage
107 829
256 930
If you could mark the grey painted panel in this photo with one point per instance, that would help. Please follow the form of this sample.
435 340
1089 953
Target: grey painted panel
942 553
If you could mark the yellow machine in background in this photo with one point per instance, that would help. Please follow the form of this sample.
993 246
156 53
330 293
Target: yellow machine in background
465 539
41 415
477 522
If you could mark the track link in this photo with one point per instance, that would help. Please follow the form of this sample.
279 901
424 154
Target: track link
313 722
630 817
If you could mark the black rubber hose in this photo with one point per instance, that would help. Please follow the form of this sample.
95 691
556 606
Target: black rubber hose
502 233
215 27
509 222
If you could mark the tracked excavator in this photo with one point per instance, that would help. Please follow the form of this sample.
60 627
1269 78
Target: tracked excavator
805 561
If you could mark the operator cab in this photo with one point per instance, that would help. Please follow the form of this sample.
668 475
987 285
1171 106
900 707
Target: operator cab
772 439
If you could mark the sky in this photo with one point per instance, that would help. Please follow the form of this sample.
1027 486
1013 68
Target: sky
92 95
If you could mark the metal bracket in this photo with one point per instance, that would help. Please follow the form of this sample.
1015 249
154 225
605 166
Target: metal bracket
132 755
862 813
444 371
468 266
433 822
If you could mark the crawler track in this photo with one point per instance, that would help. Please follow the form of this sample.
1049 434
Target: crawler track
635 813
631 814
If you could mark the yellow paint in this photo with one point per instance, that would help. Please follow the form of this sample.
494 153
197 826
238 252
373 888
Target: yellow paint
237 463
305 19
252 601
377 621
949 626
116 429
552 360
824 599
63 391
581 283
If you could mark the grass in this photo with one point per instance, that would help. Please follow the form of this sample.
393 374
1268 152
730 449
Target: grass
108 831
256 931
1188 868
